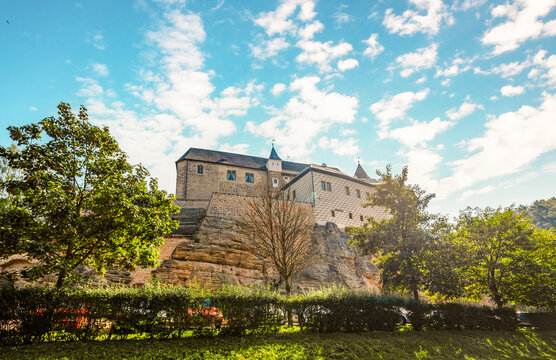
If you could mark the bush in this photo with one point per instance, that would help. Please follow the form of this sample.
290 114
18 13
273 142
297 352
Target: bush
36 314
543 320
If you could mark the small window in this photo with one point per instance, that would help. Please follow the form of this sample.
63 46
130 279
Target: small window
361 217
358 194
293 194
274 182
328 188
232 175
200 169
350 215
286 179
332 213
249 177
367 194
347 191
323 185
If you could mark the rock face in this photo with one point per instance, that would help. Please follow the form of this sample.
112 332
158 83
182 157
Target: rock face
215 256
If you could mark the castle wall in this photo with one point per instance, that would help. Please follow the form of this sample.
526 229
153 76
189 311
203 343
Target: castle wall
342 204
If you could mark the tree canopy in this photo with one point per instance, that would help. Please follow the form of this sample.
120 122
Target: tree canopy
401 239
278 230
77 201
500 254
543 213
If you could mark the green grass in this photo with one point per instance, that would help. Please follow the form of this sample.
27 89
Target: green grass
466 345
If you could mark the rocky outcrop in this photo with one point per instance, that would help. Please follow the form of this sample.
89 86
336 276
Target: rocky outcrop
215 255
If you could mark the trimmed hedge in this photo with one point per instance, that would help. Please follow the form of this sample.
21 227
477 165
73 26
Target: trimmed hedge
36 314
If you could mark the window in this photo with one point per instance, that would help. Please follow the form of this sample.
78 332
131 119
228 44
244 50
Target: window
200 169
358 193
367 194
275 182
232 175
293 194
249 177
361 217
325 185
350 215
332 213
328 188
347 191
287 179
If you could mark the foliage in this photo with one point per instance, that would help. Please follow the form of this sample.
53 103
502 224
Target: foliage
542 213
503 256
278 230
77 201
401 239
36 314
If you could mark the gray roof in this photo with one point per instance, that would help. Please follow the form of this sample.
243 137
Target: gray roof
274 155
360 173
245 161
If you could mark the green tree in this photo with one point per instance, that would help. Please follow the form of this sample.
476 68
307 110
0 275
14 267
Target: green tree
504 256
77 201
543 213
399 241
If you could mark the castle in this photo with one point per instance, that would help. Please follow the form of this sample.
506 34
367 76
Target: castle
333 195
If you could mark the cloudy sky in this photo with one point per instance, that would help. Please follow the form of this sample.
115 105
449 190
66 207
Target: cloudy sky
462 92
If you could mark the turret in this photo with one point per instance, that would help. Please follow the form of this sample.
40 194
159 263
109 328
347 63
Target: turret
274 163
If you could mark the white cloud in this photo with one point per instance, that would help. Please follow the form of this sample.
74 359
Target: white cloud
309 31
277 89
341 18
96 39
237 148
373 47
422 163
279 22
340 147
510 90
470 4
307 114
511 141
465 109
89 87
32 108
100 69
423 58
321 54
347 64
187 110
446 82
421 80
457 66
419 132
268 48
548 65
394 107
427 19
523 22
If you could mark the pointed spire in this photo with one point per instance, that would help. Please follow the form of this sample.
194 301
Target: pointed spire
360 173
273 154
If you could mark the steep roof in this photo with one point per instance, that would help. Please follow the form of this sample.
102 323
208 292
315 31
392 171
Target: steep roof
360 173
333 172
273 154
245 161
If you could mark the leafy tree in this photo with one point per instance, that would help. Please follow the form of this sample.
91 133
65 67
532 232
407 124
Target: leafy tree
400 241
543 213
503 256
278 230
78 202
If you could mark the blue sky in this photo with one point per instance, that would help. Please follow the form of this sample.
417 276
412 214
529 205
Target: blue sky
462 92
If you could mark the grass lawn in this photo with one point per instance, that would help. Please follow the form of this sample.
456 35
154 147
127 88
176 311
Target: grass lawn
465 345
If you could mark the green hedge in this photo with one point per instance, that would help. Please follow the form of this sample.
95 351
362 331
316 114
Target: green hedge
36 314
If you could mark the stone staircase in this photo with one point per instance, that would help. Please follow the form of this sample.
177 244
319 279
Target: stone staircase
190 219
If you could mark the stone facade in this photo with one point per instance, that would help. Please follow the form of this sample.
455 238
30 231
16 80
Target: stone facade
335 197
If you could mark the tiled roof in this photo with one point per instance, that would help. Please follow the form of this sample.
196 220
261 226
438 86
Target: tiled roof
245 161
274 155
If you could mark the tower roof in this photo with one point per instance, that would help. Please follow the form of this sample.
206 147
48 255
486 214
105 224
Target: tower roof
273 154
360 173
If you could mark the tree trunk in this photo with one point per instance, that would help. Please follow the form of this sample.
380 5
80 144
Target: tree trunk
415 294
288 293
61 278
